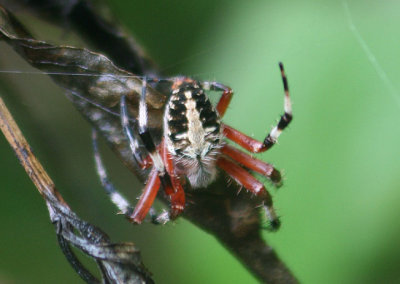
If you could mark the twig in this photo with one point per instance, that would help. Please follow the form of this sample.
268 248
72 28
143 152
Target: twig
118 263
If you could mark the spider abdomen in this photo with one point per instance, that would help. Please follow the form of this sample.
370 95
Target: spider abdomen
192 132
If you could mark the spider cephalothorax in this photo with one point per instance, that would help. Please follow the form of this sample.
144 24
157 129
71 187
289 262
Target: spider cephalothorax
193 148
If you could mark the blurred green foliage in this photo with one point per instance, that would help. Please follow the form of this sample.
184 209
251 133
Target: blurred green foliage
339 204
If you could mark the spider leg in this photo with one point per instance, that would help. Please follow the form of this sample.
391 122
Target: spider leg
159 218
254 164
256 146
146 200
116 197
176 193
145 135
159 175
244 178
143 160
226 96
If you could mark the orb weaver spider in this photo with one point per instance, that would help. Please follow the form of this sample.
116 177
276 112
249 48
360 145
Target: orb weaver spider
192 148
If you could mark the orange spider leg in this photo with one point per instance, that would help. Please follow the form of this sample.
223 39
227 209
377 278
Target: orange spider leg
226 96
243 140
255 146
244 178
224 101
176 192
251 163
147 198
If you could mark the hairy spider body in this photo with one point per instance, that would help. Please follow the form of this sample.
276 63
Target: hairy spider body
193 148
192 132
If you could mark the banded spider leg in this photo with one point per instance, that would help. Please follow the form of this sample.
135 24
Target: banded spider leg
193 146
115 196
145 158
231 166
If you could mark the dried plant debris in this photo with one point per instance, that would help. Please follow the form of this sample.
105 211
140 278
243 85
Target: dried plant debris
118 263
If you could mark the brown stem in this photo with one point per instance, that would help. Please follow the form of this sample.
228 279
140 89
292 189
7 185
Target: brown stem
119 263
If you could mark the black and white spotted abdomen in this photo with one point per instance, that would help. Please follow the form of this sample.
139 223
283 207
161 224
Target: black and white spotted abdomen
192 132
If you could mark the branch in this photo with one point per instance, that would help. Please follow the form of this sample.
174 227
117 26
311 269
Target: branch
118 263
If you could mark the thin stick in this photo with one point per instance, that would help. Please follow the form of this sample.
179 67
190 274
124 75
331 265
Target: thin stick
32 166
117 262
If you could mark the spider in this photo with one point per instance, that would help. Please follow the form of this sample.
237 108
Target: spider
193 148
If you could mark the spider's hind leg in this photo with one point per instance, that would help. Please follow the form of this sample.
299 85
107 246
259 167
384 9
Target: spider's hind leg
253 164
245 179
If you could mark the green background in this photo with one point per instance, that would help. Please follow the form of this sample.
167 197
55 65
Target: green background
340 156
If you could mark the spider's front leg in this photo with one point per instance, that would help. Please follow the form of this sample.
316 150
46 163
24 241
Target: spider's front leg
256 146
